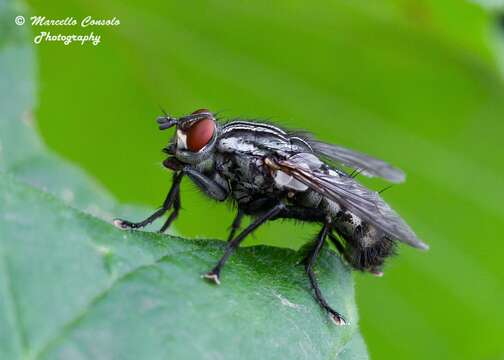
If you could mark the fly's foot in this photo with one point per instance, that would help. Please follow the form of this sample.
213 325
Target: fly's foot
123 224
212 276
336 318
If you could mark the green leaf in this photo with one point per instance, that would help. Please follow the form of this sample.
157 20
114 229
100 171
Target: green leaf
74 286
21 151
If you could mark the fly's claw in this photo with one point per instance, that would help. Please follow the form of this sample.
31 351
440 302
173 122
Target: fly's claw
336 318
126 225
212 276
122 224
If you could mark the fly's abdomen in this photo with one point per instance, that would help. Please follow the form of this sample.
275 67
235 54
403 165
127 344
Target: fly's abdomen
366 247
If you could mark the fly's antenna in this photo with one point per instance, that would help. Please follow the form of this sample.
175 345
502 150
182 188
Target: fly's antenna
165 121
385 188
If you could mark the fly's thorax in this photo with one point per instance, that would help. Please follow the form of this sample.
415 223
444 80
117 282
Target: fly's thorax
256 137
248 145
246 175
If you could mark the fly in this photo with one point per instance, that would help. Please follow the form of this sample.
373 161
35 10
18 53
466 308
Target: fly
271 173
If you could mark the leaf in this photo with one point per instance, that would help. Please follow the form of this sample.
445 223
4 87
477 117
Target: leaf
73 286
76 287
21 151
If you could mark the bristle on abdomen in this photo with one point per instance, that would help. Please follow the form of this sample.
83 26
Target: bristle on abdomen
366 248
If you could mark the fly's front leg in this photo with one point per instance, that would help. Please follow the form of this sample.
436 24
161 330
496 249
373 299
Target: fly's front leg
309 263
174 214
214 274
173 194
211 187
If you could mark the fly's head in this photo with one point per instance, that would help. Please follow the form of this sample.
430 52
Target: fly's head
195 136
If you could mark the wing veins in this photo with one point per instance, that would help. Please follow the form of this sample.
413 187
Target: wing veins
368 209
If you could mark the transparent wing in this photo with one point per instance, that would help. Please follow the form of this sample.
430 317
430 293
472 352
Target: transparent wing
348 193
370 166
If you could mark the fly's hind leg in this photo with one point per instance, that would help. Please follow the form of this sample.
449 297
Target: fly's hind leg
336 242
309 262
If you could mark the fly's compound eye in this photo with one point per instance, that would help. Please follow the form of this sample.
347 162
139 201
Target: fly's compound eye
195 131
200 134
195 134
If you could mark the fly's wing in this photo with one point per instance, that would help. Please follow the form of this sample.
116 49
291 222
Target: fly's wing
348 193
370 166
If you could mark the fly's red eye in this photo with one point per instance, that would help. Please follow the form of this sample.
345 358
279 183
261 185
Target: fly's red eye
200 134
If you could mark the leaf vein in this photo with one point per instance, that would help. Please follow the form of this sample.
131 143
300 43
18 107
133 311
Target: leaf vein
11 299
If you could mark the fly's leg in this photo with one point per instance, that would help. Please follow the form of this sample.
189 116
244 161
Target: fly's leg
167 204
208 185
302 213
173 215
336 242
309 263
214 274
236 224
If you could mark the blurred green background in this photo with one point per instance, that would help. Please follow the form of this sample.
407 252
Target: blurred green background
418 83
